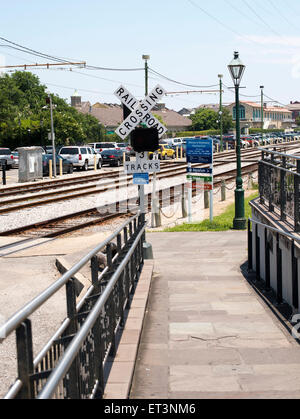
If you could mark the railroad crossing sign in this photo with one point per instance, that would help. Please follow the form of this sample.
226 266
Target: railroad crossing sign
140 111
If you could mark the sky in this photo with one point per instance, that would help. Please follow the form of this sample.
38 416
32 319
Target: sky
189 41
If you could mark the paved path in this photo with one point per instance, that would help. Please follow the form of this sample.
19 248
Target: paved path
207 334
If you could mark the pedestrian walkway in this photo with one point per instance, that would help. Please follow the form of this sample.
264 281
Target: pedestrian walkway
206 333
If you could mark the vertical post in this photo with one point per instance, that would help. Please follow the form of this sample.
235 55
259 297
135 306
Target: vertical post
257 253
50 169
52 134
262 111
250 248
279 270
60 167
267 260
73 389
211 195
239 222
25 359
4 174
283 190
190 195
297 198
221 112
295 277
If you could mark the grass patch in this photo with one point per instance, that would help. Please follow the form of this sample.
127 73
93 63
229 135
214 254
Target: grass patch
223 222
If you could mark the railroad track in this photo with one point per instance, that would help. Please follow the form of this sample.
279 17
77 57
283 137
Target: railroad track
60 226
65 224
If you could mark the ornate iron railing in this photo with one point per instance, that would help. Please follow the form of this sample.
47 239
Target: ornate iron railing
70 366
279 185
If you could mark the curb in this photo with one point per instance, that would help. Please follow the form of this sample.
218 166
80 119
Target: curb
122 368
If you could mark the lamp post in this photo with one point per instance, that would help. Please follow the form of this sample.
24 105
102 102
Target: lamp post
221 112
237 69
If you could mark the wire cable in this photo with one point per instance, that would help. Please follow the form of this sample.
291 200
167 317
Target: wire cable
261 19
177 82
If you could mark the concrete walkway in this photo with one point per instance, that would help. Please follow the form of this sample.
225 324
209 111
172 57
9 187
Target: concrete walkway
206 332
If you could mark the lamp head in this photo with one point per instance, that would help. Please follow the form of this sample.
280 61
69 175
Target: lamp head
236 69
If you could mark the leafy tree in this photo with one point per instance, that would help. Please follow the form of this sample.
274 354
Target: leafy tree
25 120
207 119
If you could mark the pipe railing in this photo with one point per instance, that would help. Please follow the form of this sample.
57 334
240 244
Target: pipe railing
92 323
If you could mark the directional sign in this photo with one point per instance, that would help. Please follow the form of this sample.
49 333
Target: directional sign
197 170
205 179
140 111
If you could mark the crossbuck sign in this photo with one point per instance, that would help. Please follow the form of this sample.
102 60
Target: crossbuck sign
140 111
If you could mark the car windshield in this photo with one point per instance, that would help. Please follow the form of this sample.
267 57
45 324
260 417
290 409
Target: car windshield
69 151
5 152
105 145
110 152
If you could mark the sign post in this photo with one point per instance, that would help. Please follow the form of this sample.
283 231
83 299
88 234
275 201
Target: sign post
201 151
140 113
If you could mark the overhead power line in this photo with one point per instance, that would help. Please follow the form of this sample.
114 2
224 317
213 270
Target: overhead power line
178 82
260 18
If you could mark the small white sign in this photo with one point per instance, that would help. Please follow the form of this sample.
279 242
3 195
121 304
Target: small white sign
31 164
142 166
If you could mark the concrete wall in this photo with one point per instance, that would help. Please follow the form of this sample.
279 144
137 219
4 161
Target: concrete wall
285 245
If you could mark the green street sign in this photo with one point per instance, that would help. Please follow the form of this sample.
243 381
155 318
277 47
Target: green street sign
204 178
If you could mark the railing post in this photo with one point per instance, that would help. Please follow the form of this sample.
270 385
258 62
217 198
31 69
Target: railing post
257 253
295 277
98 353
267 260
283 190
73 383
25 359
297 198
250 248
279 270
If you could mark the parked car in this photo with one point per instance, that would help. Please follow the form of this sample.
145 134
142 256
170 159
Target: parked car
99 147
67 166
82 157
15 155
5 154
113 157
164 152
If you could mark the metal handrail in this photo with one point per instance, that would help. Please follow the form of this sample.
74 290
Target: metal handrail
64 364
277 153
276 230
37 302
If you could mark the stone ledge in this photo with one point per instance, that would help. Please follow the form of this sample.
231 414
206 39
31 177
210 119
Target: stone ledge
122 368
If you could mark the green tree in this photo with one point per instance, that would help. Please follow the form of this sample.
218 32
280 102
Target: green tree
24 120
207 119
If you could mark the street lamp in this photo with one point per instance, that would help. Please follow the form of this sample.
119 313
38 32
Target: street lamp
146 58
237 69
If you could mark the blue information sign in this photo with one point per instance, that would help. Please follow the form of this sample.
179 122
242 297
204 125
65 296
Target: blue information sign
198 170
199 151
141 178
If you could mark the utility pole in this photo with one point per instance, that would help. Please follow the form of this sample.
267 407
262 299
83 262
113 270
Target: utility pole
262 113
49 102
221 111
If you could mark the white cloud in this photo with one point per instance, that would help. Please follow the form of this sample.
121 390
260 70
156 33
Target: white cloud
287 41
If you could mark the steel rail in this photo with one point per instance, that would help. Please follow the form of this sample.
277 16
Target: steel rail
276 230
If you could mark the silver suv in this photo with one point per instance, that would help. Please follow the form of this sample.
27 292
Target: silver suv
82 157
99 147
5 154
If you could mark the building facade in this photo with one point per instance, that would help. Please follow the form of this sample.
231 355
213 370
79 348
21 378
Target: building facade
111 115
274 117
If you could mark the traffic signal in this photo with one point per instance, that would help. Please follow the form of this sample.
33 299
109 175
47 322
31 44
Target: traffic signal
145 139
48 100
